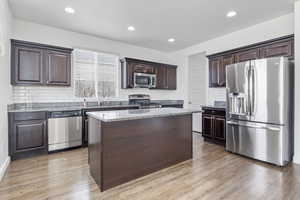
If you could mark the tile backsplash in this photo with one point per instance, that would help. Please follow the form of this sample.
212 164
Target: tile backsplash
216 94
43 94
39 94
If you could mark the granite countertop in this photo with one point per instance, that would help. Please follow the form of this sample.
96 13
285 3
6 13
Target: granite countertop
121 115
68 106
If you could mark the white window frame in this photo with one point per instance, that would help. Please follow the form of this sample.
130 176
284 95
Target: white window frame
117 76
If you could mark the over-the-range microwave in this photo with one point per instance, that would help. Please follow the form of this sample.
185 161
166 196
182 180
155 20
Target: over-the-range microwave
144 80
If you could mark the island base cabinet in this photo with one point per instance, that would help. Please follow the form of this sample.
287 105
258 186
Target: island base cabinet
121 151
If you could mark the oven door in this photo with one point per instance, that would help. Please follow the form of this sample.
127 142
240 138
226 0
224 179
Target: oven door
142 80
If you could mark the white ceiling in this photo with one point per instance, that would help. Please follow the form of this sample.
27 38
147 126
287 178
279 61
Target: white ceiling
188 21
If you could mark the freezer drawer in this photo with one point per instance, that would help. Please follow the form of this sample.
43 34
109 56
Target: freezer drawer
269 143
64 132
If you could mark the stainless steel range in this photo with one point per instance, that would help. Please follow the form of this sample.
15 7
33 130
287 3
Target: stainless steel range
260 109
143 100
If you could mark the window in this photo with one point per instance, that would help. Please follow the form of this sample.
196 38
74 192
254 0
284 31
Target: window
95 74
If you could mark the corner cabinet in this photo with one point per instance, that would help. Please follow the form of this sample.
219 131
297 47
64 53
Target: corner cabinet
38 64
214 125
283 46
27 134
166 74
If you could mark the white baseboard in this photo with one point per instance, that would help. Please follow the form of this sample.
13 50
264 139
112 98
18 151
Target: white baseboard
4 167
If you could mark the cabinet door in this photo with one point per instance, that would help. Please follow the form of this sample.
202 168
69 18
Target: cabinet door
128 70
207 125
30 136
246 55
58 67
171 78
143 68
278 49
219 127
161 74
226 60
86 131
27 66
214 65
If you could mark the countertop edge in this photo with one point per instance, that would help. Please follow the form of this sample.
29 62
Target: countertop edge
186 112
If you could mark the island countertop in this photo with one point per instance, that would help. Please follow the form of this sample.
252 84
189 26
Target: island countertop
121 115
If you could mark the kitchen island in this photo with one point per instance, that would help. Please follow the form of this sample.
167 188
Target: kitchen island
128 144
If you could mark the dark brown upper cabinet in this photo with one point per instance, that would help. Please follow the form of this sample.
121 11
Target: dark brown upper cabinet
27 66
217 70
283 46
58 68
166 75
171 77
250 54
38 64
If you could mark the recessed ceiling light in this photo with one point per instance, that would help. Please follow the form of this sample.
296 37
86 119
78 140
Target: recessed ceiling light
131 28
231 13
171 40
69 10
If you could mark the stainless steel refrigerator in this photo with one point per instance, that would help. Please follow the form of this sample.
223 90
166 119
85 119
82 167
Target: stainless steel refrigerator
259 119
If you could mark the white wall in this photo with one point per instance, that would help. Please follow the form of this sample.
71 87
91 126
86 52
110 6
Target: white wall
5 23
274 28
297 82
28 31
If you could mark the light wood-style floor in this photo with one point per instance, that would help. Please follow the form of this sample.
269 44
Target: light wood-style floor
212 174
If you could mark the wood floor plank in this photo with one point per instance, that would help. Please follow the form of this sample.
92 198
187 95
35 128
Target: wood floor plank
212 174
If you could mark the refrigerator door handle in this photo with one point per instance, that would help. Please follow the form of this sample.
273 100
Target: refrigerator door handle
251 90
254 126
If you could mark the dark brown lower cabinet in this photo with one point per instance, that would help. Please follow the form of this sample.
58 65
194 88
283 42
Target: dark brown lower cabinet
27 134
214 126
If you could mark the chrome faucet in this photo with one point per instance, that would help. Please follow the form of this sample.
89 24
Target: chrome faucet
100 102
84 102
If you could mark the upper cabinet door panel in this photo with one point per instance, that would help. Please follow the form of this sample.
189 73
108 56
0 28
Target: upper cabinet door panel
161 74
246 55
143 68
27 66
278 49
214 66
226 60
171 78
58 68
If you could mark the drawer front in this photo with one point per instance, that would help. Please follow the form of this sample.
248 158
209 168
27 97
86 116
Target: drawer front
23 116
214 112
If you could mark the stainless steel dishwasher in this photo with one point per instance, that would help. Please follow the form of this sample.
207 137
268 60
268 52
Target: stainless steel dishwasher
64 130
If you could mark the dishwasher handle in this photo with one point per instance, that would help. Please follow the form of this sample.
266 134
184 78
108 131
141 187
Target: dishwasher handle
64 114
